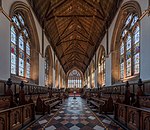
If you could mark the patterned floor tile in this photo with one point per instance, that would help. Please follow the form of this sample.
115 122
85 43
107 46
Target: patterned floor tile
98 128
91 117
74 128
68 125
87 111
80 125
74 115
84 122
64 122
50 128
74 122
106 121
42 121
61 111
57 118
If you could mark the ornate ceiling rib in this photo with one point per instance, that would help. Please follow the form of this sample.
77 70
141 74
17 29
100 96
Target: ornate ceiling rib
75 28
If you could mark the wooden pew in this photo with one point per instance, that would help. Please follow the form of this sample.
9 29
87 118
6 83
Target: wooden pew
50 103
97 99
46 104
17 117
40 105
132 117
4 102
100 104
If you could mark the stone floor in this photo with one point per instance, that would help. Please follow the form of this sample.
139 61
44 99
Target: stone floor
74 114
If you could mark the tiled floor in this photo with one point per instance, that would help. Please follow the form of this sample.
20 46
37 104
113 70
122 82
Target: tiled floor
74 115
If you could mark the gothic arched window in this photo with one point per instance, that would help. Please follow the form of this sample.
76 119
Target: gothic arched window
47 64
20 47
74 79
130 48
101 67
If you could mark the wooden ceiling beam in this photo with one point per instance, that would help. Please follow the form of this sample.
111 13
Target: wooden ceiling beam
74 65
81 46
48 8
66 27
96 7
64 37
82 25
79 49
81 57
70 57
89 42
80 16
101 8
74 60
85 55
66 54
57 5
68 48
61 42
82 49
90 38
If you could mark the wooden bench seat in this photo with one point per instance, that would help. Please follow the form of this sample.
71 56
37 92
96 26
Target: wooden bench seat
103 104
49 104
97 103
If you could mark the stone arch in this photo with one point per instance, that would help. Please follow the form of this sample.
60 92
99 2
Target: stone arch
56 74
101 50
61 77
92 74
75 68
20 7
49 52
126 9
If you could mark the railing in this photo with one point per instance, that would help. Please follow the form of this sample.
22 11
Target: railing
28 88
17 117
132 117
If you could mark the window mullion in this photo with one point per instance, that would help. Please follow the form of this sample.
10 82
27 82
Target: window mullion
125 60
17 52
25 58
132 54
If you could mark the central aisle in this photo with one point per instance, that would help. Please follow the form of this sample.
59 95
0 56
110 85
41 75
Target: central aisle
74 115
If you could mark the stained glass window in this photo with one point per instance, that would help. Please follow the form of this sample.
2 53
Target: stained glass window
13 50
102 67
21 19
15 20
130 48
20 48
25 33
27 60
74 79
136 56
47 65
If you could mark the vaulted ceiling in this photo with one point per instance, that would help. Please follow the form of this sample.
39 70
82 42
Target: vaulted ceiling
75 28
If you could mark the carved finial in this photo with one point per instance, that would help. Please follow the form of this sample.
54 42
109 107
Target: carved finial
140 83
127 84
9 82
139 90
22 84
